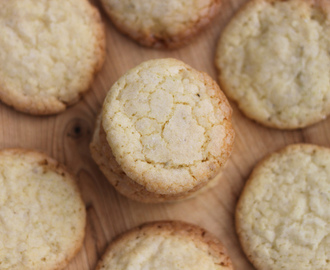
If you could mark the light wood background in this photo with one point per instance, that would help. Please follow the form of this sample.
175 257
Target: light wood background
66 138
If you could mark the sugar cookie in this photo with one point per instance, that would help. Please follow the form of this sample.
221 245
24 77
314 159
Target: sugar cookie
165 130
166 245
273 60
49 53
42 215
283 214
161 24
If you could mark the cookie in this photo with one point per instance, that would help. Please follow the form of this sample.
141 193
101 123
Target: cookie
42 215
49 53
273 60
161 24
165 131
283 214
166 245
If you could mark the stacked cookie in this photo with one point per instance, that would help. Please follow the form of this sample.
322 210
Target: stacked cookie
164 132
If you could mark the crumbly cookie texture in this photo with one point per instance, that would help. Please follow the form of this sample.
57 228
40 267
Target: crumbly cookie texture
42 215
102 155
273 60
49 53
283 214
166 245
168 126
161 24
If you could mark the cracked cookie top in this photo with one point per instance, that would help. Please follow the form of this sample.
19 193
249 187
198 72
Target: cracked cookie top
273 60
168 126
172 245
49 53
283 214
161 24
42 215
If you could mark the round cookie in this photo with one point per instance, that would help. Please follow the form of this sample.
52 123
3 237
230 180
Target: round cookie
161 24
283 214
165 131
49 53
273 60
42 215
166 245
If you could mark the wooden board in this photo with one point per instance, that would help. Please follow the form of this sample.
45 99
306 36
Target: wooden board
66 137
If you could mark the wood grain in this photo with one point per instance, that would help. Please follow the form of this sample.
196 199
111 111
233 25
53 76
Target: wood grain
66 137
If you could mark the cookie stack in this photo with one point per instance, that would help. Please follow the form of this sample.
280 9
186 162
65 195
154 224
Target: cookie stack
164 132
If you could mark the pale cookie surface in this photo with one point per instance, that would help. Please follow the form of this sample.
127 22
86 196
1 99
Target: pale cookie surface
273 60
168 126
166 245
283 215
161 23
102 155
49 53
42 215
